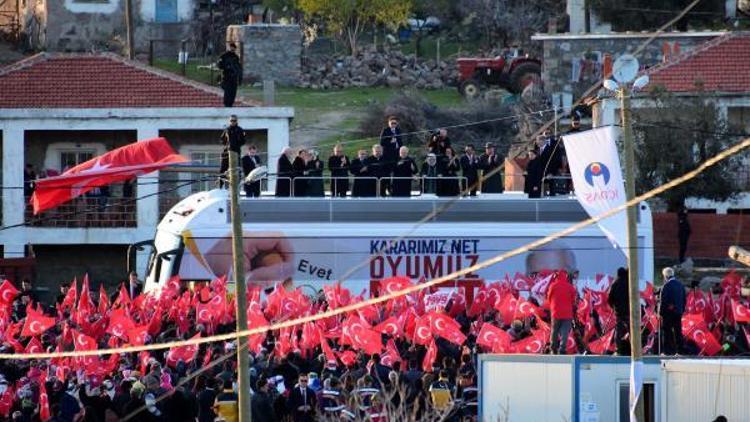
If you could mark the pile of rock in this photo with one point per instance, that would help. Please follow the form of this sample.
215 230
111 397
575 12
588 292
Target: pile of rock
374 68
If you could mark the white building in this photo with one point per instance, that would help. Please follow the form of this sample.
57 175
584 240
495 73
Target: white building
57 110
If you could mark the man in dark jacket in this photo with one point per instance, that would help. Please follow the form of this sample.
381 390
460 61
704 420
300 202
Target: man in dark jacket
533 183
250 162
338 164
359 169
619 300
378 168
231 74
284 173
206 400
470 169
232 139
672 306
490 162
262 408
302 401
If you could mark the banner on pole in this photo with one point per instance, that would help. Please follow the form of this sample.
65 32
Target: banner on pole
597 178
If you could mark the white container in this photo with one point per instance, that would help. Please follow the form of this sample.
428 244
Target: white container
700 390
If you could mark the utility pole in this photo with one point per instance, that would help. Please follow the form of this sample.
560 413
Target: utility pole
636 354
238 256
129 29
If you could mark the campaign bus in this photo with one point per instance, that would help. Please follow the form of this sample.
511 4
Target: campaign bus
312 242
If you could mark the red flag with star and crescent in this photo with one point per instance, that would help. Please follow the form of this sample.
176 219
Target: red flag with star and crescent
120 164
36 323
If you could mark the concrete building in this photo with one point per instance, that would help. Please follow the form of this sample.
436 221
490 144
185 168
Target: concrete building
57 110
85 25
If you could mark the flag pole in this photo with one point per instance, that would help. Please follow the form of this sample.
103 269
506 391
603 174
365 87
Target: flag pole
636 354
238 253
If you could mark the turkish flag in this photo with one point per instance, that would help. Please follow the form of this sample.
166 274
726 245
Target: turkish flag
137 335
8 293
526 309
583 312
120 164
82 341
391 327
366 339
123 298
184 353
430 357
34 346
507 307
422 331
71 296
119 324
705 341
447 328
103 301
394 284
36 323
532 344
348 357
494 338
522 283
327 351
603 344
391 354
696 302
740 312
44 413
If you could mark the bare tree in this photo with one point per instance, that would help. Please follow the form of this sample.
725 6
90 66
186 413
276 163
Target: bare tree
510 22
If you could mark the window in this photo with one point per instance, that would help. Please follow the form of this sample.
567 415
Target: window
206 158
649 402
70 159
166 11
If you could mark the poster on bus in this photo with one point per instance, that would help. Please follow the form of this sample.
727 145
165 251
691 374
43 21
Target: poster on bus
315 261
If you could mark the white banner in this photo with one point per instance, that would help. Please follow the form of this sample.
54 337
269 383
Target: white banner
597 178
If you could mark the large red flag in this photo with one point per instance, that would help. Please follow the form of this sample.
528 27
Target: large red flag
391 354
603 344
120 164
34 346
532 344
36 323
447 328
71 296
183 353
103 301
390 326
422 331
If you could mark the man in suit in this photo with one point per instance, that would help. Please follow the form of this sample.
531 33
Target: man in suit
391 141
672 307
338 163
358 168
284 174
302 401
533 182
250 162
489 162
470 168
378 168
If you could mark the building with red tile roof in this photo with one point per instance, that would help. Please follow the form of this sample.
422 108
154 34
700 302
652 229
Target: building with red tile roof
57 110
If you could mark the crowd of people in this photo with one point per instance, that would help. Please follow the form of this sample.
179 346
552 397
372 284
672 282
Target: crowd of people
410 358
390 167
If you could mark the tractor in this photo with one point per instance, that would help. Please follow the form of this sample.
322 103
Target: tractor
512 71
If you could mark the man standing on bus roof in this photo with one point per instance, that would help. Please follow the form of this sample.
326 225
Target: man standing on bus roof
469 169
232 139
490 162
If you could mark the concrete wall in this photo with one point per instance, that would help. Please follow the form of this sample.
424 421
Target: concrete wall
572 63
40 148
83 26
269 51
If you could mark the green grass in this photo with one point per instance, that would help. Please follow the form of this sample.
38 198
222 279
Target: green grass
351 98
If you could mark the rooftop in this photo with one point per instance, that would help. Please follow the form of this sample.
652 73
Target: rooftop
99 80
719 65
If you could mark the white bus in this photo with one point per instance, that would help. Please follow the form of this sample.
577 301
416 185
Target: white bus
314 241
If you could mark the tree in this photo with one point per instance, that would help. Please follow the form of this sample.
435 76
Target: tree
510 21
349 18
644 15
676 136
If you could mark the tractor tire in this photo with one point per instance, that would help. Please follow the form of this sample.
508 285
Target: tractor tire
523 75
471 89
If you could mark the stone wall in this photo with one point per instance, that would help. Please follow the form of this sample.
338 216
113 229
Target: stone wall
572 63
269 51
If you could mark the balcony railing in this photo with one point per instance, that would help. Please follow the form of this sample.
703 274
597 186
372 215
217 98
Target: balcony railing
87 212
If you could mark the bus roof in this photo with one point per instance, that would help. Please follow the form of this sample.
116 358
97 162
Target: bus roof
410 210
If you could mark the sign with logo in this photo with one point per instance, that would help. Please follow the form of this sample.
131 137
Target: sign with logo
597 178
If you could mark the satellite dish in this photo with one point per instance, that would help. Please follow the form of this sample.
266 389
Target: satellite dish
625 68
257 174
